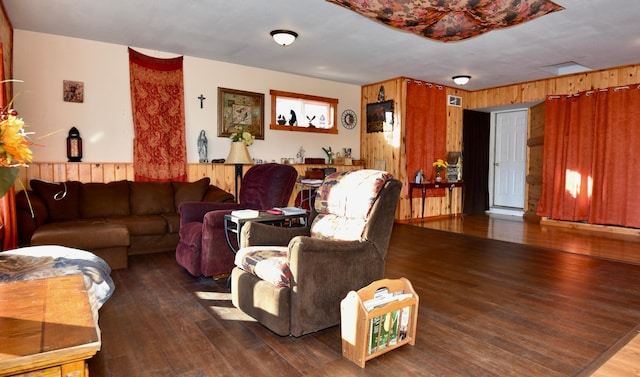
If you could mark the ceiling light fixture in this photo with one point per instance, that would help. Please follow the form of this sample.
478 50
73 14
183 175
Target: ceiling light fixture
462 79
284 37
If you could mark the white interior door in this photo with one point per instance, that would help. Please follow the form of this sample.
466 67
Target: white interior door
510 159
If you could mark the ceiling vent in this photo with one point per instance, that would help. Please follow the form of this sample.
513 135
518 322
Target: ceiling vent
565 68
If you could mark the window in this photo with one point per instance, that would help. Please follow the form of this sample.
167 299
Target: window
301 112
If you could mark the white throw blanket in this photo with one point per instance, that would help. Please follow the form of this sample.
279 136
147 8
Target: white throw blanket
38 262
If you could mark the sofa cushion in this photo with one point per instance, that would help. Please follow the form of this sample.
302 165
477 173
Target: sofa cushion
82 234
60 206
269 263
102 200
189 191
141 224
151 198
173 222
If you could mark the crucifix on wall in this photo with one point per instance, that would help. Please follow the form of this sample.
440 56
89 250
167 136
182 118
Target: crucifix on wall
202 98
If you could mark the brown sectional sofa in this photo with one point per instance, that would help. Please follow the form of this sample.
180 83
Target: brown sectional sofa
113 220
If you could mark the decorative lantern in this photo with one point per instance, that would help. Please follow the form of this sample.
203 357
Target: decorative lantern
74 145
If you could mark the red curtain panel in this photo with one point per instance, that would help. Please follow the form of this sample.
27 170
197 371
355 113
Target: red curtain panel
426 129
9 228
590 161
157 101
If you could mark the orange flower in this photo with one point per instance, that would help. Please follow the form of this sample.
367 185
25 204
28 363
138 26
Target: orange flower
14 147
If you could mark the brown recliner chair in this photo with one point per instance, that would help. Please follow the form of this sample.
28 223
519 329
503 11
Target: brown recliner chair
203 248
295 287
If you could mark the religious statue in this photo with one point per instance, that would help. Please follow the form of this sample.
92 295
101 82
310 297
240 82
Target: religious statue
202 147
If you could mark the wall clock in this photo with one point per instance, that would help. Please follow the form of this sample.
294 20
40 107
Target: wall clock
349 119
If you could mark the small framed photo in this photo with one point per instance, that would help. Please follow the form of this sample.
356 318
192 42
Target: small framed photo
240 109
73 91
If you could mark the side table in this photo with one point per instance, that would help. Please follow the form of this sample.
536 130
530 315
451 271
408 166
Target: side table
433 185
233 224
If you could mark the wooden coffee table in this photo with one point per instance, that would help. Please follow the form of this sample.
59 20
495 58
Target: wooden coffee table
46 325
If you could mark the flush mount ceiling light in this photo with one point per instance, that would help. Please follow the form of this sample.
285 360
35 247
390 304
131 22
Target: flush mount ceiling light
462 79
284 37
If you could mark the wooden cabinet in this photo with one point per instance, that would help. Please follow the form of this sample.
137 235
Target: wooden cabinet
370 333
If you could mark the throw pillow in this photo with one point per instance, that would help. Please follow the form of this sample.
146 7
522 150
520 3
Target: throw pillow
151 198
104 199
190 191
62 199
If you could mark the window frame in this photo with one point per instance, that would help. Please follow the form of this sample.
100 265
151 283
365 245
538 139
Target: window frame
331 103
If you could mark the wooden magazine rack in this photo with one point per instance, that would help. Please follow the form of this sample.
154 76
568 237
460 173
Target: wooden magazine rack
360 340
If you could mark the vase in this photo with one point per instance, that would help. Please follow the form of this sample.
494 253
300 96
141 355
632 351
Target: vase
438 177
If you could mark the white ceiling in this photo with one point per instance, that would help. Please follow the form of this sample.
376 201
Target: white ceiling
340 45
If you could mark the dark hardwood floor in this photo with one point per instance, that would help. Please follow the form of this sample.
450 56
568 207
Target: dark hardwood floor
487 308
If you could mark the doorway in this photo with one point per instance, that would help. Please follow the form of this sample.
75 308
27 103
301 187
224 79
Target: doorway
508 161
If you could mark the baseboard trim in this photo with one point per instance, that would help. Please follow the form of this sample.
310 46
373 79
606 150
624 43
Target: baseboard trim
608 229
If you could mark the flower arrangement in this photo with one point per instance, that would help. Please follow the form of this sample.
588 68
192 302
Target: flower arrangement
14 148
243 134
440 165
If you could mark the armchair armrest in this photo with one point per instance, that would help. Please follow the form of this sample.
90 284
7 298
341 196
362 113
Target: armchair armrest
194 211
256 234
322 273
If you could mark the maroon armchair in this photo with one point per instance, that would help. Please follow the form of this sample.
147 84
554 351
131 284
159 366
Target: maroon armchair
203 248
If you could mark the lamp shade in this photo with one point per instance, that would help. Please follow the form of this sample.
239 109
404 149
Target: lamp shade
461 80
284 37
238 154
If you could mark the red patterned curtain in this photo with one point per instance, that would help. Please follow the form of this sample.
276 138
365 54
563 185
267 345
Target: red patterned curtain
426 129
157 101
590 161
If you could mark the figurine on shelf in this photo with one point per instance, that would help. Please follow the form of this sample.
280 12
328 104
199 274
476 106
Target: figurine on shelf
202 147
419 176
300 155
329 155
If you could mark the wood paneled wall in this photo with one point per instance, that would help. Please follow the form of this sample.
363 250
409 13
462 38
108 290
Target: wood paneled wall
538 90
389 146
221 175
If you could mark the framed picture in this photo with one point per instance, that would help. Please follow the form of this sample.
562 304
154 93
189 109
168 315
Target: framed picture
240 109
380 116
72 91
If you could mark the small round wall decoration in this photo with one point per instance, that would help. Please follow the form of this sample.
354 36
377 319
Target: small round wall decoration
349 119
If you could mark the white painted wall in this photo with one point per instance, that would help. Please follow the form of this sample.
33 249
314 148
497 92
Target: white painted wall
104 119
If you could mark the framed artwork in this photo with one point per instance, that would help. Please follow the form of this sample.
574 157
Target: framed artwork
239 109
73 91
380 116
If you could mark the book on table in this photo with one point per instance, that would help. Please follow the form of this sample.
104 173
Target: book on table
311 182
245 213
289 210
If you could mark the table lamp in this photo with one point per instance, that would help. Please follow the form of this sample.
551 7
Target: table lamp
238 156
